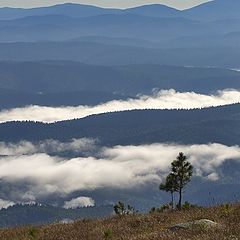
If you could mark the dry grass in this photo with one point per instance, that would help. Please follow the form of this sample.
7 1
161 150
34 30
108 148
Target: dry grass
137 227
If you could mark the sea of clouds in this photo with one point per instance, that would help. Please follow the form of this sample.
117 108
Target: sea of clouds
118 167
164 99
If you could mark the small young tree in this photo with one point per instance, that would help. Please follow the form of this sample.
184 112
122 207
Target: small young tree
170 185
120 209
182 171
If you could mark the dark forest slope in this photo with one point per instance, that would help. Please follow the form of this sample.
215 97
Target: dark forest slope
220 124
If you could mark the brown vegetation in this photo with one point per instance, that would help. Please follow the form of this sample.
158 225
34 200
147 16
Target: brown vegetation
138 227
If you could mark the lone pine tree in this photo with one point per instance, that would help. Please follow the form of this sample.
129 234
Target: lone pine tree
169 185
180 176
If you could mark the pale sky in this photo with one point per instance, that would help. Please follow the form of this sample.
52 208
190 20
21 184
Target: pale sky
180 4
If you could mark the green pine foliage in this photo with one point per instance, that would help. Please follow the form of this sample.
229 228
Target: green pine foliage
178 178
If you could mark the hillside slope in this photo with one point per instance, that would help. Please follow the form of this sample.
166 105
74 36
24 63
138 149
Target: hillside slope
101 54
138 127
64 76
19 215
144 227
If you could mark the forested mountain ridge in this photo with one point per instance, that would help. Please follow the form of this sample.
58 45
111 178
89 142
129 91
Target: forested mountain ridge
35 214
102 54
68 76
138 127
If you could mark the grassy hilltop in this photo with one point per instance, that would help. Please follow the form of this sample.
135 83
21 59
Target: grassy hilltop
138 227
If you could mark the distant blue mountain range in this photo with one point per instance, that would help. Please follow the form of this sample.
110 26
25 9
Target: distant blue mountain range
217 9
157 26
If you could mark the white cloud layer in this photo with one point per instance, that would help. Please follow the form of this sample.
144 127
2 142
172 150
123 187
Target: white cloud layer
165 99
46 146
5 204
118 167
79 202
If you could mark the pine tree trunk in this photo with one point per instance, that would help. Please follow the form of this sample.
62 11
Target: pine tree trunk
172 200
180 199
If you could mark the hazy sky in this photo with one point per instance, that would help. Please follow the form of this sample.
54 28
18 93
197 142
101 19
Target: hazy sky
181 4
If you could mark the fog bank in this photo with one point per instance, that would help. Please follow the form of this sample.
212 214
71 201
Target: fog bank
165 99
